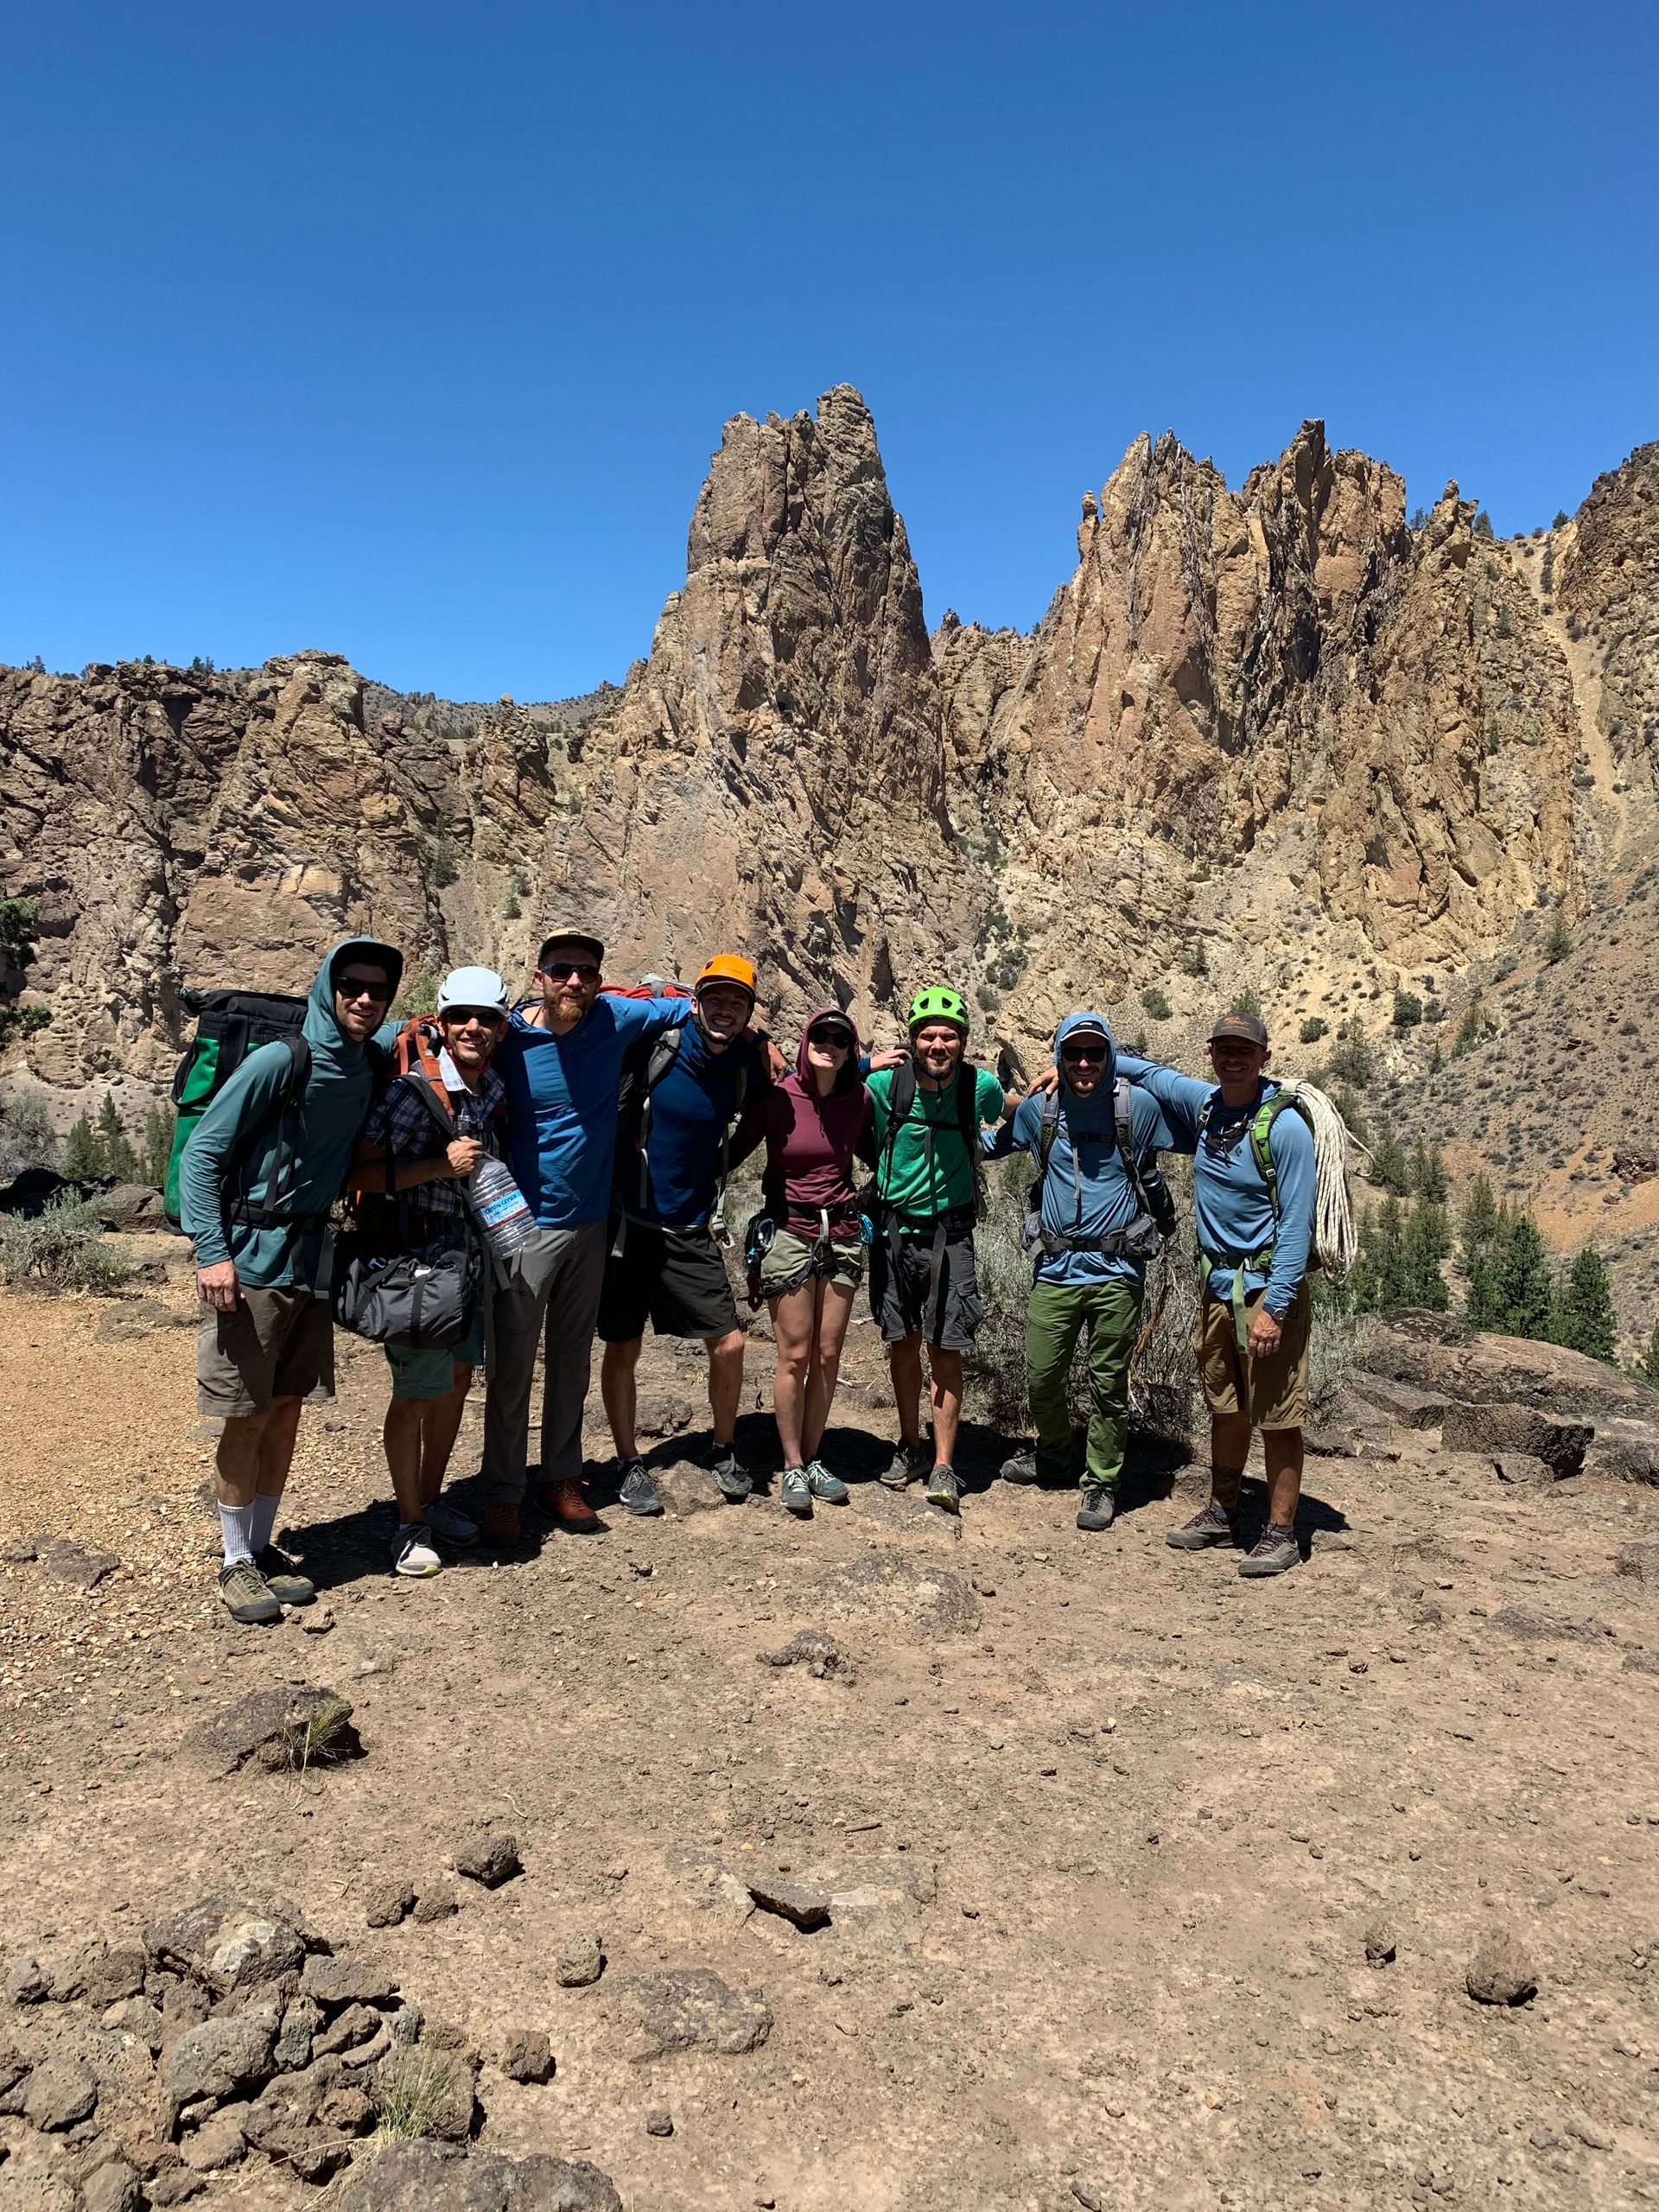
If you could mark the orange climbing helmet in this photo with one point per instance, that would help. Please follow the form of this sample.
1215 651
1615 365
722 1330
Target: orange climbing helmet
728 968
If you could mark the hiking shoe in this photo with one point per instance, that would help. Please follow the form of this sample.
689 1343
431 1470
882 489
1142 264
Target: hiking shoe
829 1489
1096 1509
450 1525
501 1523
567 1506
1275 1550
735 1482
909 1460
247 1596
794 1491
282 1578
943 1489
639 1492
1213 1526
1022 1468
412 1552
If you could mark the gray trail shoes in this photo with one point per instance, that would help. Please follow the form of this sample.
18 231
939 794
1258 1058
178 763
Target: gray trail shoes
245 1595
909 1460
1275 1550
1022 1468
735 1482
794 1492
282 1578
943 1489
637 1493
1096 1509
828 1489
1213 1526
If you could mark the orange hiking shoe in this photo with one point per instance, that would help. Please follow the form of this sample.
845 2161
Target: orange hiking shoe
501 1523
567 1506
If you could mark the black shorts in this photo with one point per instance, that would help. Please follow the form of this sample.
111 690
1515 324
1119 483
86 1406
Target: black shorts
676 1282
904 1297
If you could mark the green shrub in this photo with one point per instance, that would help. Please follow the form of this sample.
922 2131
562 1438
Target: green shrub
1352 1061
442 868
1407 1009
63 1248
1390 1167
1314 1028
19 927
1155 1003
1560 520
1195 960
1650 1360
1484 524
26 1137
117 1158
1559 943
1246 1001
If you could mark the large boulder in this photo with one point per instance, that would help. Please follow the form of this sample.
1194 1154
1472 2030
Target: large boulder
1505 1428
435 2177
1435 1353
228 1943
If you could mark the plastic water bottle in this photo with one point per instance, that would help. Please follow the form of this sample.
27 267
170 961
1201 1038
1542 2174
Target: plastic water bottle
499 1209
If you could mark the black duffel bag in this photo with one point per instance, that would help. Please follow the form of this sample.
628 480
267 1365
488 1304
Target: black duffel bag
423 1305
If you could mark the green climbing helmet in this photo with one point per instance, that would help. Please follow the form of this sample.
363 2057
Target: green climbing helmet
938 1002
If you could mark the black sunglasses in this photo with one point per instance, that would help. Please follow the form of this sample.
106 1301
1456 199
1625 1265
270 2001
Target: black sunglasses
1083 1052
488 1017
586 969
351 988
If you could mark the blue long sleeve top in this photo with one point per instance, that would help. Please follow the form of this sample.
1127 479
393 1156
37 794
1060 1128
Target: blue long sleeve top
1232 1214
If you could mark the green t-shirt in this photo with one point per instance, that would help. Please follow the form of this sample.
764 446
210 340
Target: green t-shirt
907 1183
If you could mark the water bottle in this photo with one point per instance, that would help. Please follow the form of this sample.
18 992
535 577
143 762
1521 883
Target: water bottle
499 1209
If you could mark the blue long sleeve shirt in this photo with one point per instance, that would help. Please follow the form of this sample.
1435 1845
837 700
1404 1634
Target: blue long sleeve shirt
562 1103
691 1109
1232 1214
1087 1190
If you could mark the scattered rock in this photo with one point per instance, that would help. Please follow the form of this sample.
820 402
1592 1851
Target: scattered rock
136 2017
1640 1563
1549 1628
1087 2196
176 2186
659 1412
905 1513
1328 1444
897 1592
221 2055
347 2109
387 1904
580 1963
128 1318
278 1729
227 1943
488 1855
660 2120
25 1983
317 1620
1627 1449
692 2009
102 1973
807 1907
334 1982
13 2065
707 1883
112 2187
1439 1353
302 2020
431 2092
685 1488
821 1655
350 2029
85 1569
1500 1973
437 1900
1509 1429
61 2092
434 2178
23 1551
1406 1405
1381 1948
527 2056
1641 1663
1523 1471
217 2142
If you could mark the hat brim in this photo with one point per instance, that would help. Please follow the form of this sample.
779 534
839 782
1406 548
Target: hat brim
570 936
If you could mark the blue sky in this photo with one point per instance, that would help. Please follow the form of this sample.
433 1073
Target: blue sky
408 331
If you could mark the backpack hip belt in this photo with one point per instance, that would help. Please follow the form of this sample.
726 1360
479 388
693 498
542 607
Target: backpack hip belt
1255 1263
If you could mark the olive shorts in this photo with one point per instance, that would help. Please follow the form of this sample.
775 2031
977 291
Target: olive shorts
1272 1391
273 1344
790 1261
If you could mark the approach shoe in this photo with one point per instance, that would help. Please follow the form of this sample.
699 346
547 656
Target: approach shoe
794 1491
637 1493
1275 1550
282 1578
450 1525
566 1505
1022 1468
943 1489
1096 1509
245 1595
501 1523
736 1481
412 1551
828 1489
1213 1526
909 1460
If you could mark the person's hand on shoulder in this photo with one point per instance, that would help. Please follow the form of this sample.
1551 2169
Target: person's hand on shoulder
894 1057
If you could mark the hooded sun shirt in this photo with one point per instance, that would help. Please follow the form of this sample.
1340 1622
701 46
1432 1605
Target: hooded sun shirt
313 1142
812 1142
1087 1190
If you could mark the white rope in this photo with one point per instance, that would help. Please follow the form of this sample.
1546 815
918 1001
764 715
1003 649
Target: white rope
1335 1238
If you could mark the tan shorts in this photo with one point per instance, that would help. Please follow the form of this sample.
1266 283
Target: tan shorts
789 1262
273 1344
1274 1392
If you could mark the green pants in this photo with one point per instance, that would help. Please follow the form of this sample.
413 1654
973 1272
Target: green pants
1056 1314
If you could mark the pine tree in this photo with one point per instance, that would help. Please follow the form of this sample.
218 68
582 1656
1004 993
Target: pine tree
1523 1292
1379 1276
81 1153
116 1155
1482 1228
1584 1318
159 1125
1390 1167
1429 1178
1427 1241
1651 1365
1559 943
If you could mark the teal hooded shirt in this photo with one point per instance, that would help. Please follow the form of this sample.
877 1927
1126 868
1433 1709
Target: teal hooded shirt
312 1143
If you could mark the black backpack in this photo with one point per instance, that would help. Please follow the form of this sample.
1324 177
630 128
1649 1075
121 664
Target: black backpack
644 1065
902 1096
230 1025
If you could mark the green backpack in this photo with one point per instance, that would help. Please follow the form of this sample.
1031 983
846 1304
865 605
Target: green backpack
230 1025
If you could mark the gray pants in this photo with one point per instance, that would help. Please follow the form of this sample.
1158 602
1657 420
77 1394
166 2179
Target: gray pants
552 1292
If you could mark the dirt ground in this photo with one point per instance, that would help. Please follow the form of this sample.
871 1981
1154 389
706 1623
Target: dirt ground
1127 1821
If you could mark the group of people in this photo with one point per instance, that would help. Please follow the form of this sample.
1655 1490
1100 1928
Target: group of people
619 1116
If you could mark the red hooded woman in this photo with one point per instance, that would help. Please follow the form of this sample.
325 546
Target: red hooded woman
819 1122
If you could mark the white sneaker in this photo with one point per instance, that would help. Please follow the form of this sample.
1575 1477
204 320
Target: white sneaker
412 1552
450 1525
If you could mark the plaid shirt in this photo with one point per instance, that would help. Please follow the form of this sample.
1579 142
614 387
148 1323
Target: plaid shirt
401 1124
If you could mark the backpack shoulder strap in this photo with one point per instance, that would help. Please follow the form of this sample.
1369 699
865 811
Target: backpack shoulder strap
901 1096
664 1051
1262 1121
1123 1117
967 1122
1050 1125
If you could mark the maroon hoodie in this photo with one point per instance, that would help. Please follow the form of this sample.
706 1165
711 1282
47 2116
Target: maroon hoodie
811 1143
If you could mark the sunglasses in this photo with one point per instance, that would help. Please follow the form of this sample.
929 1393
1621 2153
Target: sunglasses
352 987
1083 1054
586 971
488 1017
835 1040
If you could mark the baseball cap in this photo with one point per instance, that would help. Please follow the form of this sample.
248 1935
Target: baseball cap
833 1025
585 938
479 986
1249 1028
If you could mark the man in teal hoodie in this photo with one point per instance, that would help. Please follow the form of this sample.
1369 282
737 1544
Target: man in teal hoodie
257 1181
1090 1234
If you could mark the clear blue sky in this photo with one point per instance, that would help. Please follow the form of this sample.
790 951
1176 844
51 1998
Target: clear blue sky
408 330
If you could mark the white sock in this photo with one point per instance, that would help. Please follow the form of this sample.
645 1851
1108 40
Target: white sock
236 1522
263 1523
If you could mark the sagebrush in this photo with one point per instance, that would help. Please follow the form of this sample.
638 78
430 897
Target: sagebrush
64 1247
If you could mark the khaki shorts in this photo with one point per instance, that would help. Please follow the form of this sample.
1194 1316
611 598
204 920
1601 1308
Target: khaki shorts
1274 1392
789 1262
273 1344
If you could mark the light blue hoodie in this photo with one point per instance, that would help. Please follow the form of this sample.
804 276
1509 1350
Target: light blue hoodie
313 1142
1086 1192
